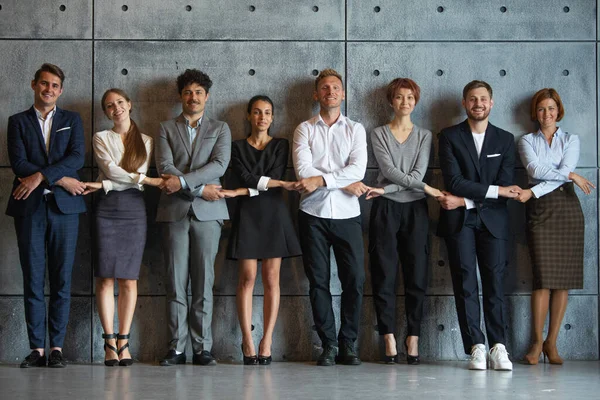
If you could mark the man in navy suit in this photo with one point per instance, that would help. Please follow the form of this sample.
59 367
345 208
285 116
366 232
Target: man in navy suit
46 148
477 161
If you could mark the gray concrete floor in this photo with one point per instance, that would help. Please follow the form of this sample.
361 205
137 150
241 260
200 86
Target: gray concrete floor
440 380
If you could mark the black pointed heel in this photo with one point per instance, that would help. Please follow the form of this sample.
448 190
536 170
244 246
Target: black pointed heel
411 360
262 360
125 362
390 359
252 360
115 361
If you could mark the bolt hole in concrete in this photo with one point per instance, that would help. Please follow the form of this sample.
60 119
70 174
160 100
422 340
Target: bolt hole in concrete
441 263
566 72
124 8
440 327
251 327
502 72
568 327
377 9
315 8
62 7
440 9
251 72
315 72
566 9
188 8
252 8
439 72
376 72
124 71
503 9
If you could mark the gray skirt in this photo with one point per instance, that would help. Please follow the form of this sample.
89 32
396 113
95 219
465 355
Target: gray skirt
120 234
555 235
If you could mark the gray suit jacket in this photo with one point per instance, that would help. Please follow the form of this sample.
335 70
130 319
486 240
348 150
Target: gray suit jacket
204 165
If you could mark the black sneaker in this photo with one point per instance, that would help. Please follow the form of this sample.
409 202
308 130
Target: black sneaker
56 359
34 359
327 357
347 354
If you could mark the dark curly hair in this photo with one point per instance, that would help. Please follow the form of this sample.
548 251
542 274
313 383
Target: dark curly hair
193 76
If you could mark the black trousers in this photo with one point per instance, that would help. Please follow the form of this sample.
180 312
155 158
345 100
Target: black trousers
317 237
398 232
475 244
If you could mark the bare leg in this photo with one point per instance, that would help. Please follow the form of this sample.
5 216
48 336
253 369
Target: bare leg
247 277
270 276
558 306
412 345
390 344
126 303
105 301
539 309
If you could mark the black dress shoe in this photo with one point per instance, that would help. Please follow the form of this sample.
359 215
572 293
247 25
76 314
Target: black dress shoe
204 358
262 360
172 358
252 360
411 360
56 360
327 357
389 359
347 354
34 359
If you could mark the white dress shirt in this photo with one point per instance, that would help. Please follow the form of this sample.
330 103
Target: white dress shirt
338 154
46 127
492 192
108 152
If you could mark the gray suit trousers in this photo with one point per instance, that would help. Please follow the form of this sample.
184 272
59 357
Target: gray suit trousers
190 250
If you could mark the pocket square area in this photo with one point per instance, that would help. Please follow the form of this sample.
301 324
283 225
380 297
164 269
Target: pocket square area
63 129
493 155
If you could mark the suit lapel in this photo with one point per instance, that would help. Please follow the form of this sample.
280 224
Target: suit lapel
33 119
183 134
56 123
467 138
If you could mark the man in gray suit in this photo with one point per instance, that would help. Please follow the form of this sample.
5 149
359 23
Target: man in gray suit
192 153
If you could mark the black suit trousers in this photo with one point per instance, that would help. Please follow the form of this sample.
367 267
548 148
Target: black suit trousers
472 245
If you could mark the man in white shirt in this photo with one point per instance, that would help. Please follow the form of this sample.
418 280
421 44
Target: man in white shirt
330 159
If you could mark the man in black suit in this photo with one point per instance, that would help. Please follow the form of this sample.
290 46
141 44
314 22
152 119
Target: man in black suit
477 161
46 148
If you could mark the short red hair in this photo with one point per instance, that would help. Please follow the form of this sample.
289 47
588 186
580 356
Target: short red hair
543 94
403 83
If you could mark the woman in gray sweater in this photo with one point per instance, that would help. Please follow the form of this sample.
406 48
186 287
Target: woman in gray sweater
399 221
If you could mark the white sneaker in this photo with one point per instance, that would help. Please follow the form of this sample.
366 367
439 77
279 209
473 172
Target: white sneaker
478 360
499 358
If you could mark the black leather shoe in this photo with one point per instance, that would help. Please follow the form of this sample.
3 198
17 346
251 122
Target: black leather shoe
56 360
34 359
249 360
262 360
327 357
172 358
204 358
347 354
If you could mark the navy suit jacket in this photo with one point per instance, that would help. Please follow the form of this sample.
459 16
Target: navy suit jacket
28 155
467 175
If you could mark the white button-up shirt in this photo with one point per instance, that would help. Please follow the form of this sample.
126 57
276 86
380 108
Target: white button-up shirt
338 154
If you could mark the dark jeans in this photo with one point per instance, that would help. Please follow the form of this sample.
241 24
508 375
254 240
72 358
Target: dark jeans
398 232
475 244
317 237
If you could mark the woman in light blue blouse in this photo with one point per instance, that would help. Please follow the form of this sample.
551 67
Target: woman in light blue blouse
555 224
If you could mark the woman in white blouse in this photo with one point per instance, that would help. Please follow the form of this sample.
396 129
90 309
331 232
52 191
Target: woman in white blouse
122 155
555 222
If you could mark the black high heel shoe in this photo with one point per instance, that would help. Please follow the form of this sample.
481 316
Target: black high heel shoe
115 361
252 360
124 362
262 360
411 360
389 359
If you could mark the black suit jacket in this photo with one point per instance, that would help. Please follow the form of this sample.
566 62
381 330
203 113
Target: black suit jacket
467 175
28 155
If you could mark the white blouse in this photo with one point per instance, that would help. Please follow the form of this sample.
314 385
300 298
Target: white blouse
108 152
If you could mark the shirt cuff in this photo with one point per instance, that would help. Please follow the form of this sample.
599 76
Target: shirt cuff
200 190
492 192
537 191
262 183
184 184
253 192
329 181
107 185
469 204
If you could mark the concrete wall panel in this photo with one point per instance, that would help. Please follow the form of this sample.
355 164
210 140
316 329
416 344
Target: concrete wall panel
201 20
20 60
49 19
459 20
371 66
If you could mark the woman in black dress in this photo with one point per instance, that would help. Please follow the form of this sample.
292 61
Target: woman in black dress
122 155
262 228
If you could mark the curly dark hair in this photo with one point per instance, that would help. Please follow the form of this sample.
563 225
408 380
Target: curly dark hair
193 76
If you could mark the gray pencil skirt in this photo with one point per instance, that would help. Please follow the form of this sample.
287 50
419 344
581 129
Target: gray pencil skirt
120 234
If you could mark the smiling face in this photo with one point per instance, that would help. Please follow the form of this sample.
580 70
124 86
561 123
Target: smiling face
261 116
330 93
47 89
193 100
116 107
477 104
403 102
547 113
